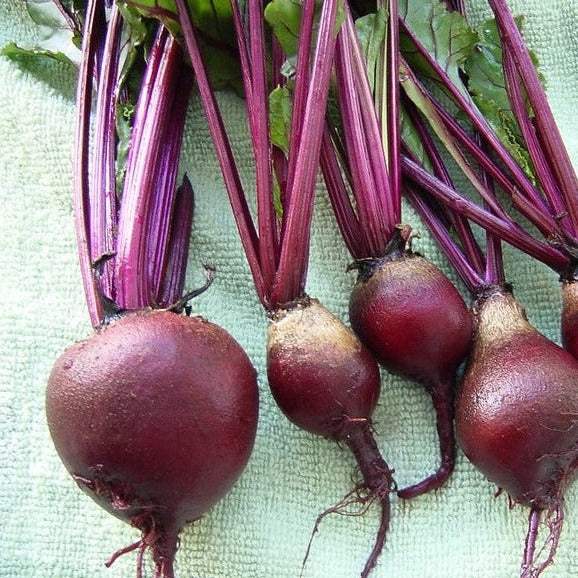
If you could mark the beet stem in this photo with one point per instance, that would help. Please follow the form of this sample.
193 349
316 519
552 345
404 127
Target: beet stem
443 406
507 230
294 257
379 481
346 218
173 282
479 122
545 121
301 91
393 101
444 239
81 200
102 181
134 285
461 224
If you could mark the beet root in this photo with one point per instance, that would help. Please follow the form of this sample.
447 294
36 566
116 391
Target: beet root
155 418
327 383
417 325
517 414
569 325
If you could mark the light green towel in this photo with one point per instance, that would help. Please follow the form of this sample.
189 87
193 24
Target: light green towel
48 528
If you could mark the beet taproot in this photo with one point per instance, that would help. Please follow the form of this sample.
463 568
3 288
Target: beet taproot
327 382
517 414
155 418
417 325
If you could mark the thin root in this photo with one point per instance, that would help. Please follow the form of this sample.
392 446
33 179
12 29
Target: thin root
554 520
122 552
355 496
156 541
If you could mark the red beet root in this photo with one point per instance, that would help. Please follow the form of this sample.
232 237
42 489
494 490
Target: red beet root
155 418
327 382
517 414
417 325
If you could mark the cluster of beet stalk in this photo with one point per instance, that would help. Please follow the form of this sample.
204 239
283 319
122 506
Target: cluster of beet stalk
153 383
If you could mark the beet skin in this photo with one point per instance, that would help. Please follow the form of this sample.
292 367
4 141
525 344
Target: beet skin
155 418
417 325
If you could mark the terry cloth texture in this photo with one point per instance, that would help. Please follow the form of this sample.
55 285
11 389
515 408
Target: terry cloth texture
48 528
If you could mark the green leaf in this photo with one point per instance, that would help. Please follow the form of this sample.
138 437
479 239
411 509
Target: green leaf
135 36
52 68
280 109
446 35
284 17
55 35
222 67
487 85
413 141
372 32
214 21
277 202
213 18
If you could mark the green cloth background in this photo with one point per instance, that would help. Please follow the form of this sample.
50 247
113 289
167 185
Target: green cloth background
48 528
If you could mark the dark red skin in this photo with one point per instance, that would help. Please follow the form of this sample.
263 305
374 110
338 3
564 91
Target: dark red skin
517 411
569 320
412 318
417 325
321 384
327 383
155 417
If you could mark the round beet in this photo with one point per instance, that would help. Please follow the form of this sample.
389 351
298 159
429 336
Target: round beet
417 325
328 383
516 412
155 418
319 373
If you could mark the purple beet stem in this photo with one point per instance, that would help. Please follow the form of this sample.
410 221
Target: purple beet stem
81 201
245 225
164 187
173 283
293 261
134 285
393 101
545 122
102 189
504 229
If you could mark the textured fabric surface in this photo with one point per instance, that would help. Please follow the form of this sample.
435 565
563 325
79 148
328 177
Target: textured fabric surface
50 529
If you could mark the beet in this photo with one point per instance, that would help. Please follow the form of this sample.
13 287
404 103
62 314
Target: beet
327 383
417 325
155 418
516 413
